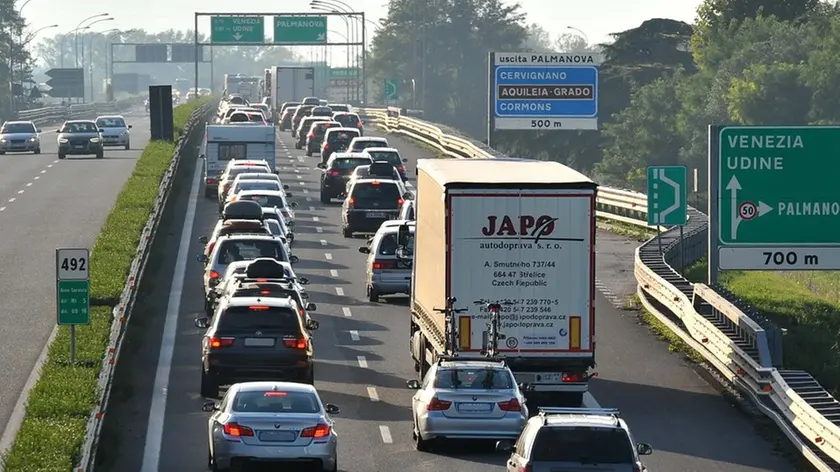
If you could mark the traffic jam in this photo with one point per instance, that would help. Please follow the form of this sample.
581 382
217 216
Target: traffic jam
259 346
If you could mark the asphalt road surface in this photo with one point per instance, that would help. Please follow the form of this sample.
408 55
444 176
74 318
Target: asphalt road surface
363 359
45 204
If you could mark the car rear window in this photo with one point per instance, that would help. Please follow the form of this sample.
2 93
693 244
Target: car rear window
366 143
250 249
256 185
110 123
243 228
582 444
392 157
266 201
376 191
473 379
259 317
347 120
274 401
336 108
345 136
350 163
388 244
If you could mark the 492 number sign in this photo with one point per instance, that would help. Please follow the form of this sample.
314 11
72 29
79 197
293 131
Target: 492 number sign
72 264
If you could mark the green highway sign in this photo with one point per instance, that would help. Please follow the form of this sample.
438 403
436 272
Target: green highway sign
237 29
300 30
392 89
778 185
667 192
73 302
344 72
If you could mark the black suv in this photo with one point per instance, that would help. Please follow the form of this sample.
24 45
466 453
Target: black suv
253 338
369 203
316 135
336 140
336 173
304 127
350 120
300 112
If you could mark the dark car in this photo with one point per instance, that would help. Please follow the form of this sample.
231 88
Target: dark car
316 134
80 138
369 203
350 120
314 101
391 155
336 140
321 111
300 112
337 171
255 339
339 107
286 112
303 129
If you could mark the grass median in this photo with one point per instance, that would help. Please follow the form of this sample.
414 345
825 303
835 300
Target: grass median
806 304
53 429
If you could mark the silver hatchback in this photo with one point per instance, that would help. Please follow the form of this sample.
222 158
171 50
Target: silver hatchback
466 399
386 274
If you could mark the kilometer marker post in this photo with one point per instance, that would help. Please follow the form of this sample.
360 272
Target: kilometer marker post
72 277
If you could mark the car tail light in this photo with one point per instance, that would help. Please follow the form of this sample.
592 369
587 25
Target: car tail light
637 468
384 264
400 202
510 405
227 187
401 169
310 135
332 172
351 202
214 274
571 378
301 312
299 343
210 181
528 468
210 247
237 430
438 405
216 342
316 432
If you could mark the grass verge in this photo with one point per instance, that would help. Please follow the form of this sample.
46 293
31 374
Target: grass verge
636 233
53 428
806 304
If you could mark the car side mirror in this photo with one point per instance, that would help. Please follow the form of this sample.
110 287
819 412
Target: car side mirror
294 259
304 295
293 204
209 406
202 258
202 322
203 239
644 449
332 409
202 156
58 131
303 281
101 130
404 161
290 195
131 126
311 307
286 187
364 250
412 384
312 325
408 195
504 445
290 235
403 254
320 165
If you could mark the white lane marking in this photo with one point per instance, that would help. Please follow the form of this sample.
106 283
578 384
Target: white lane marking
157 411
29 184
308 199
2 208
328 256
346 311
299 176
44 171
297 171
53 161
312 208
36 177
302 183
408 184
319 229
362 362
323 242
589 401
307 191
385 432
333 272
20 192
372 394
300 158
354 335
50 165
339 291
315 219
12 200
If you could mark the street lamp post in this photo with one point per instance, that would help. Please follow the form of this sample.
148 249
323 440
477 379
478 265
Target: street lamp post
329 7
580 33
339 6
76 37
105 33
65 37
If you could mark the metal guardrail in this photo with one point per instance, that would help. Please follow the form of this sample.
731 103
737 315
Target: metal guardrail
709 319
122 311
46 115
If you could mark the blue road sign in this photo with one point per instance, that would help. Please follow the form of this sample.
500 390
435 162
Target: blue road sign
544 91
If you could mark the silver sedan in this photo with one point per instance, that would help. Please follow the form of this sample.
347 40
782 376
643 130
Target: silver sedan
20 136
282 422
466 399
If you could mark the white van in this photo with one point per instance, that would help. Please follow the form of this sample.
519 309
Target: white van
224 143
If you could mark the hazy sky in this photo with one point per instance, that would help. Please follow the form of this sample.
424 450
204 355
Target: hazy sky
596 18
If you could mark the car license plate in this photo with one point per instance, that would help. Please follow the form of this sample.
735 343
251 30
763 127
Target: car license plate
376 214
259 342
277 436
474 407
549 377
78 147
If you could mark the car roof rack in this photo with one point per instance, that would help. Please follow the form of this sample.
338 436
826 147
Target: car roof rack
545 412
265 268
242 210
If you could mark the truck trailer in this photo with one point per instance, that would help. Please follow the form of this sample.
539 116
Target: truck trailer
290 84
518 233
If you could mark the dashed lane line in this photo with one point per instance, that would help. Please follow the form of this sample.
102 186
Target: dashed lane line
362 362
354 335
323 242
319 229
373 394
346 311
333 272
385 432
328 256
339 291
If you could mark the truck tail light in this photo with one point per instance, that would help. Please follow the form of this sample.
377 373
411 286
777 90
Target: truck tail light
237 430
316 432
216 342
510 405
437 404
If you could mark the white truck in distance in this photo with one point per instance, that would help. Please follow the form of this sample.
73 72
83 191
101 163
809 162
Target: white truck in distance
516 232
290 84
223 143
248 87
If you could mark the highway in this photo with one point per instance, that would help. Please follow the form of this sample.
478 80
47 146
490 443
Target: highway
363 361
44 204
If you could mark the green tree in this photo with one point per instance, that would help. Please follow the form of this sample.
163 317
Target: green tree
769 95
537 39
15 63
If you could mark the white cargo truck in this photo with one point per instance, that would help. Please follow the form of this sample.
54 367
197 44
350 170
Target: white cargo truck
224 143
247 86
290 84
514 232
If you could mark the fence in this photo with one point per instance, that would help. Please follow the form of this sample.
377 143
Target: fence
730 336
46 115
